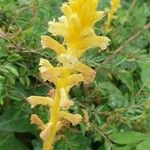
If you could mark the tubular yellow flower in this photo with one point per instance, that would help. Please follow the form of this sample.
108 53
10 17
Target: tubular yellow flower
36 120
76 28
48 42
88 73
74 119
39 100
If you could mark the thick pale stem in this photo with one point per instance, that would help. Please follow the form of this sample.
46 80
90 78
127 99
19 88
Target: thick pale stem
54 118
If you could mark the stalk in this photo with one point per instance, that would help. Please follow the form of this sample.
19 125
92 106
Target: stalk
54 118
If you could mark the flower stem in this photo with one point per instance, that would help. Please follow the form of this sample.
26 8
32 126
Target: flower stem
54 118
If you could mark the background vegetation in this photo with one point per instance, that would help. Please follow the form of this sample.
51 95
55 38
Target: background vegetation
118 101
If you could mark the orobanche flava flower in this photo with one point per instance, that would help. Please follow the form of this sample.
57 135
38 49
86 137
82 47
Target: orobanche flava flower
115 4
76 28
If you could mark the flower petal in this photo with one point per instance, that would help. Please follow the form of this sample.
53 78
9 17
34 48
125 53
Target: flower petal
75 79
48 72
66 103
48 42
37 121
94 41
88 73
57 28
74 119
45 132
67 60
39 100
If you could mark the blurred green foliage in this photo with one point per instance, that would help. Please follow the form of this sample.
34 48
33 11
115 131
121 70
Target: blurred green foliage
118 101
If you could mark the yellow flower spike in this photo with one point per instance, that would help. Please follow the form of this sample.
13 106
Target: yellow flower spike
39 100
115 4
86 10
76 28
65 103
48 42
73 118
37 121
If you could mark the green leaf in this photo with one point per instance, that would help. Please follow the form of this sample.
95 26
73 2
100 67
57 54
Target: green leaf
9 142
72 141
12 120
126 78
113 93
2 78
127 137
14 57
107 145
37 145
12 70
145 74
145 145
127 147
